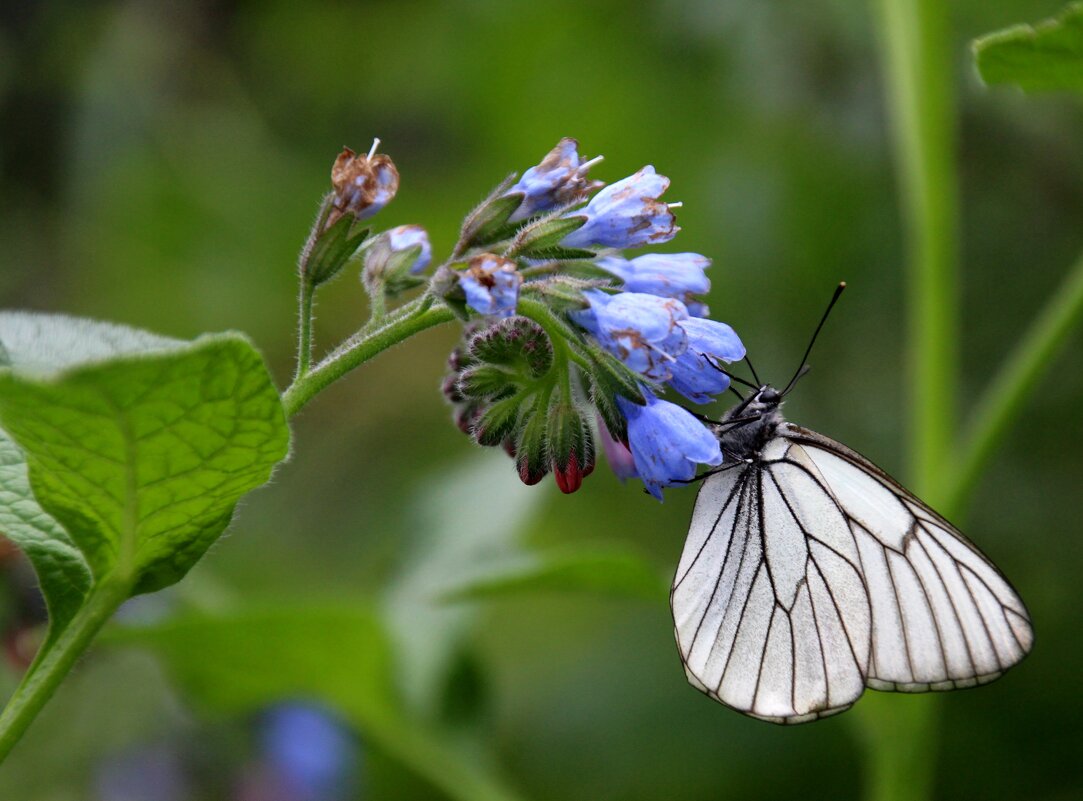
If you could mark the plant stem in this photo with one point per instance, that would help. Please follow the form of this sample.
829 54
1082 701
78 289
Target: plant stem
56 660
404 322
900 738
919 77
304 329
1003 400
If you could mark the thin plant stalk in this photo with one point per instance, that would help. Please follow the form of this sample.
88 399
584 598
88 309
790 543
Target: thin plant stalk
901 738
1002 403
404 322
56 659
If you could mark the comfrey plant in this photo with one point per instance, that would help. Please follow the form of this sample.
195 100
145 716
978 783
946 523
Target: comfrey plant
565 341
123 453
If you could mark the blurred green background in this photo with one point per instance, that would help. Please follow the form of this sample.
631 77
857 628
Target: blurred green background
161 163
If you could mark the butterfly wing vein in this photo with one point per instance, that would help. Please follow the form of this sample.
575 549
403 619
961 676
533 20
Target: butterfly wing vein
810 574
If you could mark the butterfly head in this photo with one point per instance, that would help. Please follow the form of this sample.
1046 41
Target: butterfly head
747 427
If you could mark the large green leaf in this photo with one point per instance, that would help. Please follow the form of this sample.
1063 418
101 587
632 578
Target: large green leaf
1045 56
62 571
242 660
139 446
47 343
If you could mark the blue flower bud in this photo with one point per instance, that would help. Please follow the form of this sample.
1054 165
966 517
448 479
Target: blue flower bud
642 331
394 259
559 179
667 442
491 284
404 238
626 214
668 275
363 184
692 374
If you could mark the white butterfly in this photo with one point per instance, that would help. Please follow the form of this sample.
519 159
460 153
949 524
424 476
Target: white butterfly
810 574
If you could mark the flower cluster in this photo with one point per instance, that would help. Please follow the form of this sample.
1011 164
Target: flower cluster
539 262
567 342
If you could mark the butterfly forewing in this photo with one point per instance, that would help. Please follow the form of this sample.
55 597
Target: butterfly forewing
809 574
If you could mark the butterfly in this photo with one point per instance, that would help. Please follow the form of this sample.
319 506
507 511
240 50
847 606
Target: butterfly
810 574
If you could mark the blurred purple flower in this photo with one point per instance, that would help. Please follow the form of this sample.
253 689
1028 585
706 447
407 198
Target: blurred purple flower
491 284
312 754
617 454
148 773
559 179
625 214
667 442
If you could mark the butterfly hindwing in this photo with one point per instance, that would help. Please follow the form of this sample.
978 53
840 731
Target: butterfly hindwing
809 574
944 616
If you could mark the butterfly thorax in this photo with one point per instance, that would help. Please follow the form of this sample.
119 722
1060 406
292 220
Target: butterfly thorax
750 425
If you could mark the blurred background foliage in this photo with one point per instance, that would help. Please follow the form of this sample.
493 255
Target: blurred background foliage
161 163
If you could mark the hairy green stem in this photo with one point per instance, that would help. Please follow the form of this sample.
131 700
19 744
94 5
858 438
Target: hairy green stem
900 739
304 329
410 319
1003 400
56 660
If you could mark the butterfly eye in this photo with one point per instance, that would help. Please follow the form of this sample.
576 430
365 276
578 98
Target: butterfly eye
769 395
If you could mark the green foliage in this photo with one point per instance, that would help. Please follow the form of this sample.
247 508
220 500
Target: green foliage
186 177
62 572
341 655
1042 57
141 455
608 570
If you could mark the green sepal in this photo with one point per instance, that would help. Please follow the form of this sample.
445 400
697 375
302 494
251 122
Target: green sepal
402 283
608 379
517 342
488 222
616 377
387 270
531 456
579 267
541 239
561 254
487 382
445 285
568 434
498 422
331 250
562 294
605 402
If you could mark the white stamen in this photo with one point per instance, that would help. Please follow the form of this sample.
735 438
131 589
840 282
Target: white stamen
375 144
586 165
676 205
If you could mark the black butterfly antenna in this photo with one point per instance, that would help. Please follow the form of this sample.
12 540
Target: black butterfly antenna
717 365
804 367
755 377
